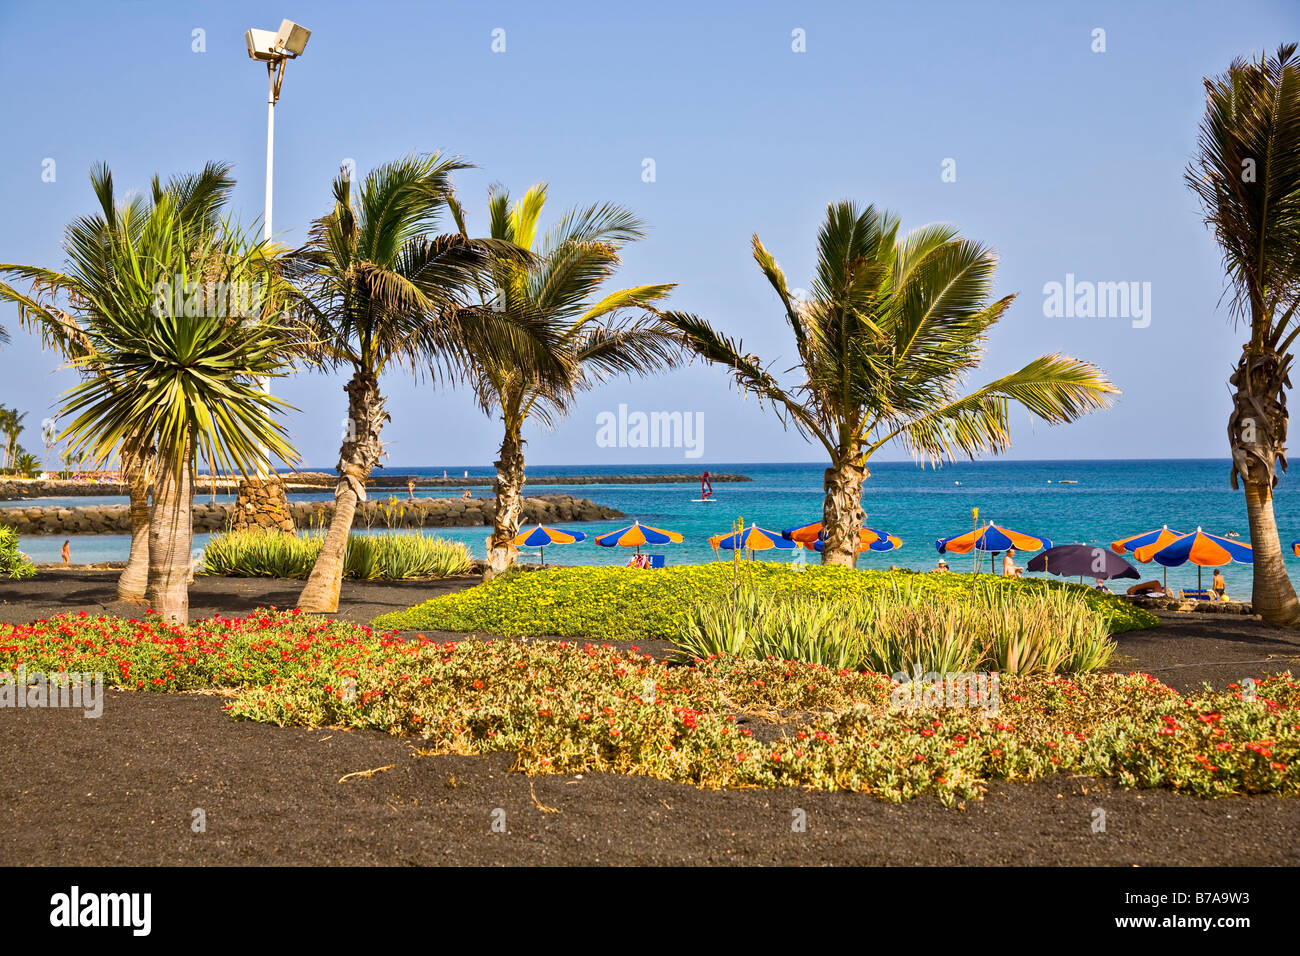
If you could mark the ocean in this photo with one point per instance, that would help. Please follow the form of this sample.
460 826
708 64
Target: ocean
1086 502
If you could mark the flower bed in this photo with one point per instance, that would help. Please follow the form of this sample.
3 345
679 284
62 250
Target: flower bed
574 709
632 604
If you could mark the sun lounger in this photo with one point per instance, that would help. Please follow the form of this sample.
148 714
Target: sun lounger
657 560
1201 594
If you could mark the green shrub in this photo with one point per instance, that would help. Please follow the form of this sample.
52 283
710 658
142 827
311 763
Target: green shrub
611 603
13 563
905 629
387 557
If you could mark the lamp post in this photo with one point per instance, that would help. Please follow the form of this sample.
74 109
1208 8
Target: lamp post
275 49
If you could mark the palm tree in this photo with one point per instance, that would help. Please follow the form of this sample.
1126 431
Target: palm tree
1247 176
61 304
885 340
11 426
582 338
381 291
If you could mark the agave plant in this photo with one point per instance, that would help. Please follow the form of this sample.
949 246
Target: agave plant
885 341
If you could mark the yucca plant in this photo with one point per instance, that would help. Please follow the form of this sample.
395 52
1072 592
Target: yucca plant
382 291
891 329
61 305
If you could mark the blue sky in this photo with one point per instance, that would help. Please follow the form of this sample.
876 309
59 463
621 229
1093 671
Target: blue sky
1067 161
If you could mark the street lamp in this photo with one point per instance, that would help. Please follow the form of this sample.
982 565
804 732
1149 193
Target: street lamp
275 49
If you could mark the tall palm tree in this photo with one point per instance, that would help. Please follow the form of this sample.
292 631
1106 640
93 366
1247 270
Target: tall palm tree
382 291
890 331
1247 176
61 304
582 339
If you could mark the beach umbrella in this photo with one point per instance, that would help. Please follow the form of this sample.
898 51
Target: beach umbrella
1084 560
869 539
1295 548
1200 548
635 535
991 538
1160 537
751 539
541 536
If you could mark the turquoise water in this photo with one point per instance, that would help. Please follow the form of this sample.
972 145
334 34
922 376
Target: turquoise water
1112 499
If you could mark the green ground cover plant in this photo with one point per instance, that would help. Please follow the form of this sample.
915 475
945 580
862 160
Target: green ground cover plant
569 708
610 603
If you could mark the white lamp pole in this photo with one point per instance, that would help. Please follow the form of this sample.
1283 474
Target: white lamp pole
276 49
270 145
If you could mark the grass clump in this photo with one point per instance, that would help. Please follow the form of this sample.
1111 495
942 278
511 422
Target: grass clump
610 603
377 557
904 629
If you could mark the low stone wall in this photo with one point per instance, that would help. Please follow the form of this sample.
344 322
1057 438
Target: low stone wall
1179 605
375 513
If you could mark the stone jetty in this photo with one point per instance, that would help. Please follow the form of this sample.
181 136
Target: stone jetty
309 481
375 513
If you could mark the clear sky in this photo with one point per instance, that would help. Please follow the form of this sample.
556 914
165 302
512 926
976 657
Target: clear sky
1066 160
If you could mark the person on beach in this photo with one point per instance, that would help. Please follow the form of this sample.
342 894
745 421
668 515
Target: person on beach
467 495
941 567
67 554
1101 586
410 489
1220 585
1148 589
1009 569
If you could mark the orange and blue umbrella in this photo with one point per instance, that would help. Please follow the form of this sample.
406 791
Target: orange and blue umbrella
991 538
869 539
1200 548
752 538
1295 548
541 536
635 535
1160 537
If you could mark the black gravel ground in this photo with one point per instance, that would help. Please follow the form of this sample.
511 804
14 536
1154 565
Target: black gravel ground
123 789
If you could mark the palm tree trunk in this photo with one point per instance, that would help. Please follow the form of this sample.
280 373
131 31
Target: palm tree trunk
842 510
509 488
171 535
133 583
358 455
1257 436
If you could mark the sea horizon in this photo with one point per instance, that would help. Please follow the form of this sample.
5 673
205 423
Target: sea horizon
1107 499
